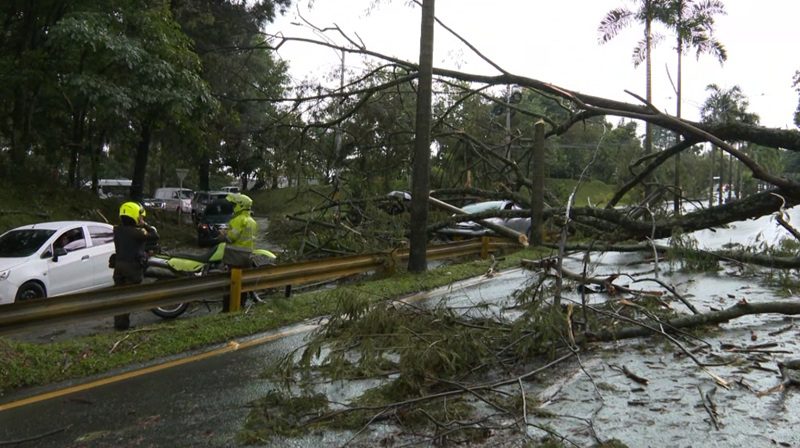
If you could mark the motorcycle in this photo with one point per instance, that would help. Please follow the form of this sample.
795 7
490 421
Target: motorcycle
163 265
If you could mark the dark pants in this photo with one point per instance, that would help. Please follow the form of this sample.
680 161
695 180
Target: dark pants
126 273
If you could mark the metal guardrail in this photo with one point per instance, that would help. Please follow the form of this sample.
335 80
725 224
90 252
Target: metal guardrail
120 300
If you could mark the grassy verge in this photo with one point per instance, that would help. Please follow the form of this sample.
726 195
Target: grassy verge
29 364
592 192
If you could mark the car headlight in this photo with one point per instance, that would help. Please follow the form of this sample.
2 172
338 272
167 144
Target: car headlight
4 274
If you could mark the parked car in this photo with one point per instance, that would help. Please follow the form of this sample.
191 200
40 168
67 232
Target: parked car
398 202
154 204
111 188
230 189
214 218
202 198
470 229
54 258
176 199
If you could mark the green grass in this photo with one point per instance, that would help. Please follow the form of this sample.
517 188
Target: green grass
283 201
30 364
592 191
21 205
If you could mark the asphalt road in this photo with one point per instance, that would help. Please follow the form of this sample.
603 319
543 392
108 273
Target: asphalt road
196 404
192 405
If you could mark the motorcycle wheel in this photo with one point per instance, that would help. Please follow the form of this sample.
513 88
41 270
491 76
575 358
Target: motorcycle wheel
171 311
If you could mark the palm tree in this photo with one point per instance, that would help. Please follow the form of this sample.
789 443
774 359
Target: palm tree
693 23
725 106
796 84
615 21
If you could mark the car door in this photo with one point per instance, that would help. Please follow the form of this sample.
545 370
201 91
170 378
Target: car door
520 224
102 246
72 271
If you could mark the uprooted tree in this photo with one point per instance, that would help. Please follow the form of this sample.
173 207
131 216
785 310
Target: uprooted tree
460 375
381 131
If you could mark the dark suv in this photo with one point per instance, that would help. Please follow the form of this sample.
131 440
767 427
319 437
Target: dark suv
202 198
214 218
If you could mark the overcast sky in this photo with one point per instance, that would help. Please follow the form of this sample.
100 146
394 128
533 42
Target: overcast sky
556 41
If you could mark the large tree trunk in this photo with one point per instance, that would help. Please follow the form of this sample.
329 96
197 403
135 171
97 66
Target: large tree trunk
78 123
743 308
648 127
677 180
21 135
420 183
140 166
537 189
204 173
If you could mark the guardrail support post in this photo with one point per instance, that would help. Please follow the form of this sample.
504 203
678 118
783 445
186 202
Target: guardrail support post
390 262
235 297
484 247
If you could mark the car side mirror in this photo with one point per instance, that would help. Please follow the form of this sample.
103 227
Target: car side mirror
58 252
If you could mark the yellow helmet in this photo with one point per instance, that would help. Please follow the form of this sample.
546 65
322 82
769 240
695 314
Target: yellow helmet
240 202
132 210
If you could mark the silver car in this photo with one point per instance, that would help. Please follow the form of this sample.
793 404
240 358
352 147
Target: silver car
471 229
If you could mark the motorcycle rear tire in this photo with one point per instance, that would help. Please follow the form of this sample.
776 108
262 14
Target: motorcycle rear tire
171 311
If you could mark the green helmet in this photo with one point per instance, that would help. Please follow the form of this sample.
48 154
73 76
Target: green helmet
132 210
240 202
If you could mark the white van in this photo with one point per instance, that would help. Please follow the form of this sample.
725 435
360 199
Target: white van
178 199
111 188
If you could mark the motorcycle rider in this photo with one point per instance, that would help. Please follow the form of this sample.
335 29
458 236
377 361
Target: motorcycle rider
131 238
242 228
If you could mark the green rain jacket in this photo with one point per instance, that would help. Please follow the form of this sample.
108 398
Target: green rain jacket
242 229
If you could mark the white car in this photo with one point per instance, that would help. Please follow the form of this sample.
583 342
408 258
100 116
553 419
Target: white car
470 229
54 258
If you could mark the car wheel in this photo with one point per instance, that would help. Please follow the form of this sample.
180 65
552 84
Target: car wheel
29 291
170 311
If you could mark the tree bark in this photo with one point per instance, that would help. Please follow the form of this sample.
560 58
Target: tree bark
537 192
140 164
420 185
716 317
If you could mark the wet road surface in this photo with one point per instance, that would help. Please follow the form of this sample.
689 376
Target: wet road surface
198 404
205 403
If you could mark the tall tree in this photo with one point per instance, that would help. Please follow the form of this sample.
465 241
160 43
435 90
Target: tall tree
796 85
420 183
25 72
646 12
241 72
726 106
693 24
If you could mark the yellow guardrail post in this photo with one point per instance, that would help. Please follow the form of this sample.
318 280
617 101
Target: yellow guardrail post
235 297
484 247
390 262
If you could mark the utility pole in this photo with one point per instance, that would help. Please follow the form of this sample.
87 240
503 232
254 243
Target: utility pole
508 122
338 138
537 191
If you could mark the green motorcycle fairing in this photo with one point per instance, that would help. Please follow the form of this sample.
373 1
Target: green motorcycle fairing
185 265
188 265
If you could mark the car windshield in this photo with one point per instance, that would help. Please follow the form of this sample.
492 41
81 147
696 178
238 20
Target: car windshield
22 243
185 194
482 207
219 208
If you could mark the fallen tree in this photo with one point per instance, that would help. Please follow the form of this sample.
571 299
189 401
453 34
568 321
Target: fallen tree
446 374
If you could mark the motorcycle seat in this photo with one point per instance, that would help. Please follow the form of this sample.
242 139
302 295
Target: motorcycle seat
202 258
